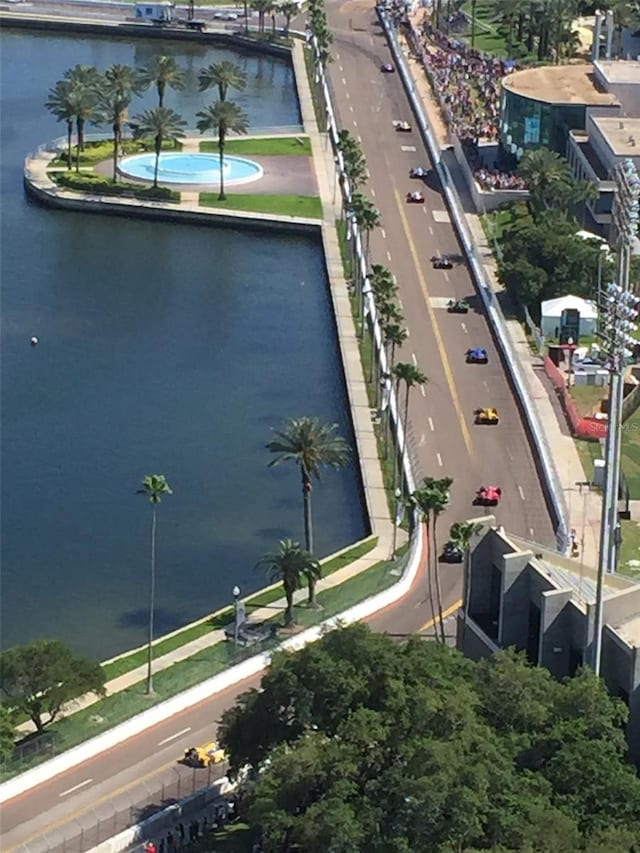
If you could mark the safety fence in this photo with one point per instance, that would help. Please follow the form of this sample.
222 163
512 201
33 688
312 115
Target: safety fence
534 330
531 419
589 429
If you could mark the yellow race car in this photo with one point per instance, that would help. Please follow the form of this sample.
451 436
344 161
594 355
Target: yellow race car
488 415
203 756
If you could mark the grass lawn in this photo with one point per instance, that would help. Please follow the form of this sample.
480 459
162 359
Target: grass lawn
299 146
95 152
223 617
588 451
587 398
307 207
630 549
236 838
631 453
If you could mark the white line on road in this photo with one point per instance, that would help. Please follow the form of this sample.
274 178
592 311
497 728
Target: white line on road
344 82
75 787
355 123
509 454
400 305
424 210
388 256
384 233
414 359
464 328
351 108
521 492
360 141
173 737
439 458
373 192
347 95
531 532
446 276
422 391
484 382
431 426
337 56
341 69
430 230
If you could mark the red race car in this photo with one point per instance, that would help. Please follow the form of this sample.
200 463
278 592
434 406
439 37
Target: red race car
488 496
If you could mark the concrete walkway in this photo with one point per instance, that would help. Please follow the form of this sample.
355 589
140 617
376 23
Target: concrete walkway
583 504
362 415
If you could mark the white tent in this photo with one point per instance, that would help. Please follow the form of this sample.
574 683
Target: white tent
551 315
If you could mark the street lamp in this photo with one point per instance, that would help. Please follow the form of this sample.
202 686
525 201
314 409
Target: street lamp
620 308
236 598
396 523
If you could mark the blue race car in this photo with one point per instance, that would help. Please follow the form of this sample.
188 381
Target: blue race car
477 356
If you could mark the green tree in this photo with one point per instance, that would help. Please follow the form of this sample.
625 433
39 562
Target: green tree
290 564
154 487
262 8
367 217
7 734
85 83
311 444
62 104
289 10
461 535
224 75
40 678
223 118
120 84
159 124
163 72
412 377
545 173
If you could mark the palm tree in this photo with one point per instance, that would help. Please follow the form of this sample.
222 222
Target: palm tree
394 336
61 103
367 217
461 534
158 124
262 8
310 444
544 171
84 83
290 565
155 487
225 75
120 84
223 117
432 498
163 71
289 10
411 376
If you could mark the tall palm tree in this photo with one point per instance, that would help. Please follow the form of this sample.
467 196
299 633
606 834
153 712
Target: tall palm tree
262 8
120 84
394 336
61 103
367 217
163 71
84 83
544 171
411 376
158 124
461 534
155 487
289 10
225 75
290 564
223 117
310 444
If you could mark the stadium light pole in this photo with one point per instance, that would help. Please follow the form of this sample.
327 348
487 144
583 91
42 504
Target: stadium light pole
620 310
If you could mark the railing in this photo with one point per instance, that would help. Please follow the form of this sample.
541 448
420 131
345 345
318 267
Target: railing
493 310
535 332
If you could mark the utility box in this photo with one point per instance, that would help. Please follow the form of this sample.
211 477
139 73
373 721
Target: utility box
598 473
154 13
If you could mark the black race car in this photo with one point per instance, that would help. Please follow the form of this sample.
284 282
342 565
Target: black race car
441 262
452 553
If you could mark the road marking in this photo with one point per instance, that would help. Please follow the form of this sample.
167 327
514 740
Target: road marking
76 787
347 95
431 426
446 276
436 328
341 68
445 613
439 301
400 305
344 82
464 328
521 492
384 233
360 141
484 382
414 359
509 454
355 123
337 56
531 532
422 391
173 737
388 256
439 458
373 192
410 148
430 230
351 108
441 216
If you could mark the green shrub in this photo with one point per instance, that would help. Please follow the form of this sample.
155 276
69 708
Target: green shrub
92 183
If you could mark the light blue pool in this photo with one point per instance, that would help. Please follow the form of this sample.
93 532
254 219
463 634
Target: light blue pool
187 168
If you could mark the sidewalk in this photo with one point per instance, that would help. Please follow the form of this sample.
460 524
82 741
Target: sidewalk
584 507
375 495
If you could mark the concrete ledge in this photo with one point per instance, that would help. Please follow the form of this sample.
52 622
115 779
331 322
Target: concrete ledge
248 668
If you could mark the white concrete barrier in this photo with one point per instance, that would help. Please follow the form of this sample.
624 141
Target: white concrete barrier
494 312
252 666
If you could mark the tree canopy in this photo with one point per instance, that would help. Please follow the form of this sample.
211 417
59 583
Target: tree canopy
41 677
359 743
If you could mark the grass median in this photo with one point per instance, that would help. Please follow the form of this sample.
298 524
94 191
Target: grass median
119 707
279 146
304 206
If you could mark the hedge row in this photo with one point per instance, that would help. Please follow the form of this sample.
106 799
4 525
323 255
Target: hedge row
105 186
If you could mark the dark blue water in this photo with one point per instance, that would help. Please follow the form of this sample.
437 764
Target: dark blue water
163 349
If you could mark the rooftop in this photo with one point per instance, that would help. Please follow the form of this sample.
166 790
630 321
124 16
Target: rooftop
620 70
559 84
621 134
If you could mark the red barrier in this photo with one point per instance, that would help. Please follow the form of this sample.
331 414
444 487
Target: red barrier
590 429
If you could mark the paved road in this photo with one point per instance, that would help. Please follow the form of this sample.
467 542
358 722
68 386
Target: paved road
444 441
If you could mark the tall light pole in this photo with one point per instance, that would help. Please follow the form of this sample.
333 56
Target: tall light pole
236 599
397 521
619 307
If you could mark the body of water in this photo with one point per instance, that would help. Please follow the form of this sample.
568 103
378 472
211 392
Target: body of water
163 349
